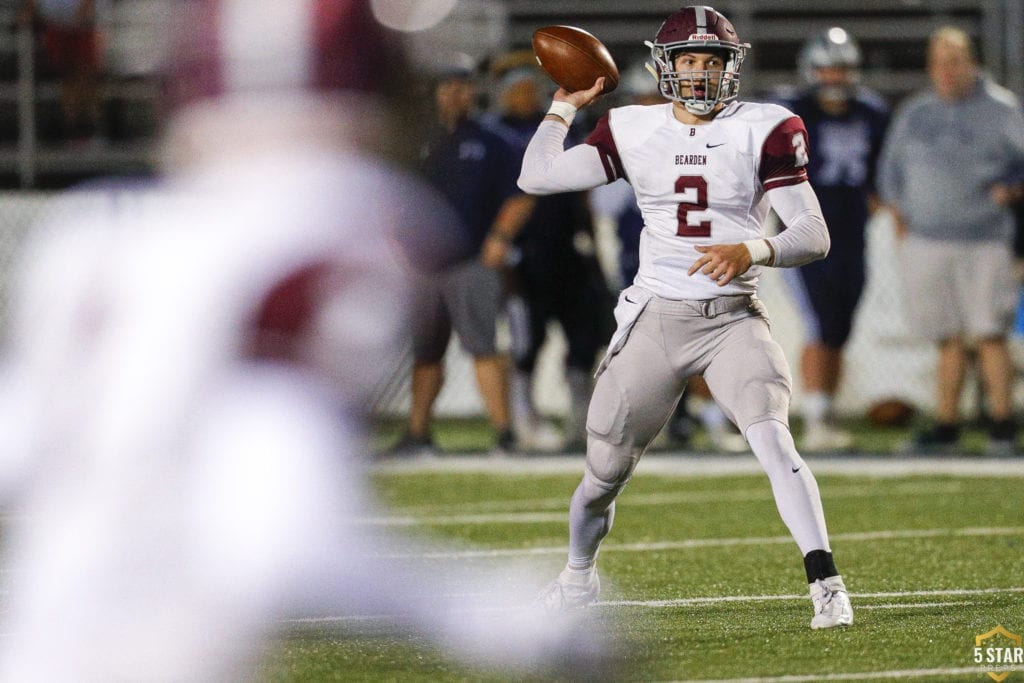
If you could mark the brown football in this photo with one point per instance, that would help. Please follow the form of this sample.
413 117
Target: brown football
574 58
890 412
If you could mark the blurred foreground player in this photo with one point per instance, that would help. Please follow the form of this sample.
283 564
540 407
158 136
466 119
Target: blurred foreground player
705 169
186 375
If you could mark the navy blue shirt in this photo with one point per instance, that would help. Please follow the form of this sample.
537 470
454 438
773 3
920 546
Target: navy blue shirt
549 232
844 154
476 171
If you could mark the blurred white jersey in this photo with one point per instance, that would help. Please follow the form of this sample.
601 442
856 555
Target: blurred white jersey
699 185
185 383
180 362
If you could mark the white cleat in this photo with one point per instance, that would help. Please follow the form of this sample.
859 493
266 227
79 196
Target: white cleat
831 603
573 589
825 438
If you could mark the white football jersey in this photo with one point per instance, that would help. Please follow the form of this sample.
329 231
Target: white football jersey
700 185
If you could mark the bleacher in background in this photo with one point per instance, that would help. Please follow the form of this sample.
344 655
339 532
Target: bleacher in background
883 357
892 33
32 151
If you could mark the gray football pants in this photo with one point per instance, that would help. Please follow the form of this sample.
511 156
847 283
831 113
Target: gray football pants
727 340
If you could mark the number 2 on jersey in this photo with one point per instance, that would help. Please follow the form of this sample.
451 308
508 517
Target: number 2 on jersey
689 185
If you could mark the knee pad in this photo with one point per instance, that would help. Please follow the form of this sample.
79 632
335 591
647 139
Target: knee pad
610 465
606 417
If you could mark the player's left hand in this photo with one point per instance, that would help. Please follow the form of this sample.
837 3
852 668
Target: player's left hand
722 262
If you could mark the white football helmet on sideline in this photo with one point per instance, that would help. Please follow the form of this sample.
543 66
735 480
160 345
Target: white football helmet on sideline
833 48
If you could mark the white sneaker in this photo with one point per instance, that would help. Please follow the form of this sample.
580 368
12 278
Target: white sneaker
573 589
831 603
537 435
826 438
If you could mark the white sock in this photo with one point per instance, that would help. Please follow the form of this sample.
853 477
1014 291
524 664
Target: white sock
521 397
793 484
817 406
591 514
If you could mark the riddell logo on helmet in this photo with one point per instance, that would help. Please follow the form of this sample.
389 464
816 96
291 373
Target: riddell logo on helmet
703 36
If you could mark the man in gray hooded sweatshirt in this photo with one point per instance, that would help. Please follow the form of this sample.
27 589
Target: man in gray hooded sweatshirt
951 167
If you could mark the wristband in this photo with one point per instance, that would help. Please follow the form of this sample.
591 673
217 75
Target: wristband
563 110
760 252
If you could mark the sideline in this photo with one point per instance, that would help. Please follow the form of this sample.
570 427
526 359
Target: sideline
691 543
698 465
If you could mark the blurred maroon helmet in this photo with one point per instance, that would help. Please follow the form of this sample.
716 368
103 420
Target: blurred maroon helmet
222 48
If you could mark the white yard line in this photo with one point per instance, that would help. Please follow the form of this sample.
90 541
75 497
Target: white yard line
896 605
688 602
857 676
718 542
726 599
698 465
418 515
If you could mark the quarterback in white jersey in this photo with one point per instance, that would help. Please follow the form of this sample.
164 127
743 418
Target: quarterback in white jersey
708 188
705 169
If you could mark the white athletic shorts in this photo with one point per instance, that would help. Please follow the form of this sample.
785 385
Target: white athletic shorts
958 288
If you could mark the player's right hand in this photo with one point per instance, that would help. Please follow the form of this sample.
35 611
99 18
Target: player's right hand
581 98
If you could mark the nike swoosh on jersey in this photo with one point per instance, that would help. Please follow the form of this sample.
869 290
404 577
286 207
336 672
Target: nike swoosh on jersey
710 146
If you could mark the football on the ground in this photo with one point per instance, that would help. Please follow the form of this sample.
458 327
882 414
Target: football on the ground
890 412
574 58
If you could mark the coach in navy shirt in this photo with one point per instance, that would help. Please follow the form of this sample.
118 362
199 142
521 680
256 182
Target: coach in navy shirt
476 171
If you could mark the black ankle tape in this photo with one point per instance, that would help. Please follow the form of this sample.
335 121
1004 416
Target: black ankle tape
819 565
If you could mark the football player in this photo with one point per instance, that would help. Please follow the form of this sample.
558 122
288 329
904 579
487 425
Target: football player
705 168
189 368
556 278
847 123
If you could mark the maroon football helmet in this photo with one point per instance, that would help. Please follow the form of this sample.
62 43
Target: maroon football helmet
697 29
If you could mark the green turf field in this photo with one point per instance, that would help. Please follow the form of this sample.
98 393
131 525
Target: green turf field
474 435
703 583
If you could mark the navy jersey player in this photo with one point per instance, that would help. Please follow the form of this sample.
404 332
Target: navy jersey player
846 122
557 277
705 168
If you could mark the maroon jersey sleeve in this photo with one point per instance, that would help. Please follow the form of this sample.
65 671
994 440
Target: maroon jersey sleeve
285 320
784 155
601 138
